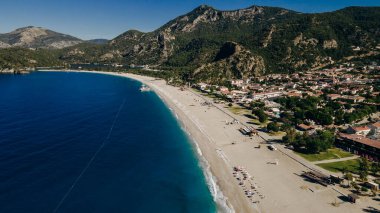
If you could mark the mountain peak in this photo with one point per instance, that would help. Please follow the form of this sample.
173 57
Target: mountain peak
28 28
204 7
37 37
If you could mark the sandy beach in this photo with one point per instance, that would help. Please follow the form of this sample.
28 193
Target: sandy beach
274 187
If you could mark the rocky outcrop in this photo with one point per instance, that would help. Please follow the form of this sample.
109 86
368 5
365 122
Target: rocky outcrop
75 51
330 44
268 38
301 40
4 45
232 61
206 15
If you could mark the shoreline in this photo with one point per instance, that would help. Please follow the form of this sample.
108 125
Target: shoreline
227 199
275 177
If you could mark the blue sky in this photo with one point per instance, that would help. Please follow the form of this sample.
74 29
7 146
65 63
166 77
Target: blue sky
88 19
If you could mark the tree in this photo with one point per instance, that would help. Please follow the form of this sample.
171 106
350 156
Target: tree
375 168
257 104
316 143
364 167
273 127
290 136
260 115
349 178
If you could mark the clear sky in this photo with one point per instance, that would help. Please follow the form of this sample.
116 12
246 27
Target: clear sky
88 19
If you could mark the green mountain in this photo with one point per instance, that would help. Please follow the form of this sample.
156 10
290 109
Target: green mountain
276 40
214 45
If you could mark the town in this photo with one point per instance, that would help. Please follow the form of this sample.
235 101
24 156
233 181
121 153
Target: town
329 116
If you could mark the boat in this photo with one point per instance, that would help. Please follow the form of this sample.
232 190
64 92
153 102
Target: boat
144 88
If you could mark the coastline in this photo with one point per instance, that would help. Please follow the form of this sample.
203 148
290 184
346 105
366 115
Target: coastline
228 197
219 146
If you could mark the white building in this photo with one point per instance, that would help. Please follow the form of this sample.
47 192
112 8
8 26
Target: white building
266 95
375 129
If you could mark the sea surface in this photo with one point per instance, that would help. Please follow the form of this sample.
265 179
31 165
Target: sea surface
85 142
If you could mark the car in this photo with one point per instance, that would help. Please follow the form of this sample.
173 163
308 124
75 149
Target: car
271 147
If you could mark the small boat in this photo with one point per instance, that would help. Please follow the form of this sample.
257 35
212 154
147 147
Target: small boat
144 88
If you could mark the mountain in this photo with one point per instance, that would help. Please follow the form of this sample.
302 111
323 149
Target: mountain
37 37
232 61
278 39
213 45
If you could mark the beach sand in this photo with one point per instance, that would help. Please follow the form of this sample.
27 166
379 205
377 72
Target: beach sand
280 188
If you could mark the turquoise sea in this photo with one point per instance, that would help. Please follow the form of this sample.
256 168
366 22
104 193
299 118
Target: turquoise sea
85 142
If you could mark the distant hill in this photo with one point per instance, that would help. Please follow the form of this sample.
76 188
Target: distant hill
37 37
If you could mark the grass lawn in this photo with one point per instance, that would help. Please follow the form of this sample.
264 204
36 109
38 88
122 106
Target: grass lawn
238 110
330 154
350 165
280 133
257 122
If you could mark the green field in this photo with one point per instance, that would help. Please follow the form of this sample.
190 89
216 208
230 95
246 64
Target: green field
239 110
349 165
328 155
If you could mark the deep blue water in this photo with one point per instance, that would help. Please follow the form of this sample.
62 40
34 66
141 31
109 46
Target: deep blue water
52 124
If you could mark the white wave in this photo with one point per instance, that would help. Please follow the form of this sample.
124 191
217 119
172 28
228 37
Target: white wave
219 199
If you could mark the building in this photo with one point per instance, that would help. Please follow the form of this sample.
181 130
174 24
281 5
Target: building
304 127
266 95
359 130
333 96
224 90
375 129
359 145
202 86
294 94
354 99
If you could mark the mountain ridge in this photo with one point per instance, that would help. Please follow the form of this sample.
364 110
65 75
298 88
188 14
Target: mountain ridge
273 39
37 37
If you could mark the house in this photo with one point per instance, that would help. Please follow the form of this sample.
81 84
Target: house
304 127
359 145
266 95
202 86
355 99
359 130
333 96
224 90
294 94
375 129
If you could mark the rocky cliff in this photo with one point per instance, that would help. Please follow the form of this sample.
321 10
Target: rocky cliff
231 62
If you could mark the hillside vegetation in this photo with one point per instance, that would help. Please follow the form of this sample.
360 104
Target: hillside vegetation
213 45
